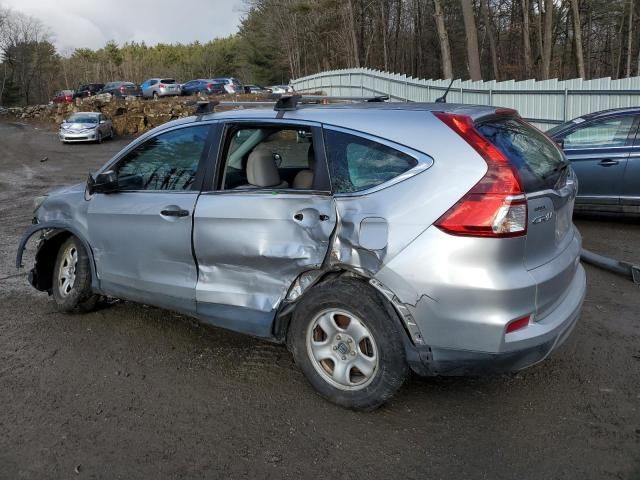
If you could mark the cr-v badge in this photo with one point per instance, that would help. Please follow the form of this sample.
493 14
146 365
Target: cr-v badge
543 218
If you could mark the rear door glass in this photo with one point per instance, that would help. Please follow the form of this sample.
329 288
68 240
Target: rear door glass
538 160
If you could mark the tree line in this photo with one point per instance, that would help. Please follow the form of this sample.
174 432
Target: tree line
282 39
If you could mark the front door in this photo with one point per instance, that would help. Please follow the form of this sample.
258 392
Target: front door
141 234
598 151
268 218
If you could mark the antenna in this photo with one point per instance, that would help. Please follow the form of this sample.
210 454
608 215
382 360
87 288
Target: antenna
443 98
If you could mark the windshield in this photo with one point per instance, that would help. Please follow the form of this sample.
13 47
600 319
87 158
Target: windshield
558 128
82 119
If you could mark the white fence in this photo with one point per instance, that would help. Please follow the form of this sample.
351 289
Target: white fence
545 102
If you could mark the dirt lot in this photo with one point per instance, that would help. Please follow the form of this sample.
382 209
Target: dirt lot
137 392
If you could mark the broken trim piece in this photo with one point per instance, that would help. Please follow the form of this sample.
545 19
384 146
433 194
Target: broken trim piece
403 311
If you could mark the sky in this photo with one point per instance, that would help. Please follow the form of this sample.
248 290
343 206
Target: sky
92 23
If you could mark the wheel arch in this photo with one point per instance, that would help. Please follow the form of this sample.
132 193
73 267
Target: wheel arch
54 235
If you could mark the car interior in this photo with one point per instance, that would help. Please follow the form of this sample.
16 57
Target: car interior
269 157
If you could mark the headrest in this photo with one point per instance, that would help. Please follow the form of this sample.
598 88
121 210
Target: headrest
261 169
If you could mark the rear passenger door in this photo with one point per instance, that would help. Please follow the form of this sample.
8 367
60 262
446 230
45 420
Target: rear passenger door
598 151
254 234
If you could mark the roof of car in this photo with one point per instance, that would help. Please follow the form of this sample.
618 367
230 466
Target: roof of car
611 111
329 110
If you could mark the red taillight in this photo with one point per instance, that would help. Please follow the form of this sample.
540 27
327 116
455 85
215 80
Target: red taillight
123 88
161 85
210 86
517 324
495 206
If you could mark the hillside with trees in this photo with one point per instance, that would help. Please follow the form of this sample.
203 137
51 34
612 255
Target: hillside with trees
282 39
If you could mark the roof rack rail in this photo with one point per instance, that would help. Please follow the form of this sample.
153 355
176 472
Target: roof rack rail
290 102
286 103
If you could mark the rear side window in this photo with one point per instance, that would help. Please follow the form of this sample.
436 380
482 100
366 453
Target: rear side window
357 163
610 132
537 159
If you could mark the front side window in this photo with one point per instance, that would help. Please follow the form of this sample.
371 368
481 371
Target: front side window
611 132
357 163
168 161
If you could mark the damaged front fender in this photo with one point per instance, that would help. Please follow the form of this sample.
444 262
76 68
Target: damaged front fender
53 233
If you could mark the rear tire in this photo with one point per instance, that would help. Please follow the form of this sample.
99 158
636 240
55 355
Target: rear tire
99 137
155 95
71 286
351 351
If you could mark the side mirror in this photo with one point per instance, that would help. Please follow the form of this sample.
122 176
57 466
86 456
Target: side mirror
559 142
105 182
102 122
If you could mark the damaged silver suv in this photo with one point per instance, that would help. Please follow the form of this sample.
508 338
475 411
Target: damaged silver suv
372 239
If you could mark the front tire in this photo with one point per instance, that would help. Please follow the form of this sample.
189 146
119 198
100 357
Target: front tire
71 286
348 346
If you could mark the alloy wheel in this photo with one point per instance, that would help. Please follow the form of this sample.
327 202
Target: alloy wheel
342 349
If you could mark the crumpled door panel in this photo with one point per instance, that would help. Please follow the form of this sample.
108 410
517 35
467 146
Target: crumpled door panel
251 247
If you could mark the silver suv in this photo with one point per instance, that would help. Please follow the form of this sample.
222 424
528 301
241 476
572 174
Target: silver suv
370 238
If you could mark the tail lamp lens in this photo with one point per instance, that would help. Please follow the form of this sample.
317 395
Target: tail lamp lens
495 206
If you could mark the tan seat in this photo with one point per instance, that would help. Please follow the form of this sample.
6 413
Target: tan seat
262 171
304 178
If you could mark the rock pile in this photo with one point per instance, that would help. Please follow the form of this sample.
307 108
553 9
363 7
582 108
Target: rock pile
130 115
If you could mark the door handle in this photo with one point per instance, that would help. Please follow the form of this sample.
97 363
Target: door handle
175 213
323 217
608 162
299 217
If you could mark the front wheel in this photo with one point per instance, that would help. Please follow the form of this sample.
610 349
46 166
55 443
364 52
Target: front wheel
350 349
72 279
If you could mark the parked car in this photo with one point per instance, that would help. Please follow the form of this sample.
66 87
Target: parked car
231 85
256 89
604 150
85 127
370 239
160 87
204 86
122 89
88 90
281 89
63 96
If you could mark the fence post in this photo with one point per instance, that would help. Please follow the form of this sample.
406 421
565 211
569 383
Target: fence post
361 84
461 93
565 105
490 96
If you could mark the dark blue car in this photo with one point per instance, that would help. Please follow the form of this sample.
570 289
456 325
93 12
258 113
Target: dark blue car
604 150
204 86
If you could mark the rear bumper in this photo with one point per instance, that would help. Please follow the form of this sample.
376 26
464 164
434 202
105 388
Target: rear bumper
522 348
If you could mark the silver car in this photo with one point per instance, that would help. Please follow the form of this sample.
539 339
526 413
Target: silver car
371 239
85 127
160 87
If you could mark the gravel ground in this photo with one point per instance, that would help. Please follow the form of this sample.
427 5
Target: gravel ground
136 392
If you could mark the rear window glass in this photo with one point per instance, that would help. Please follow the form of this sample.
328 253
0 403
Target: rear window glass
168 81
357 163
538 160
